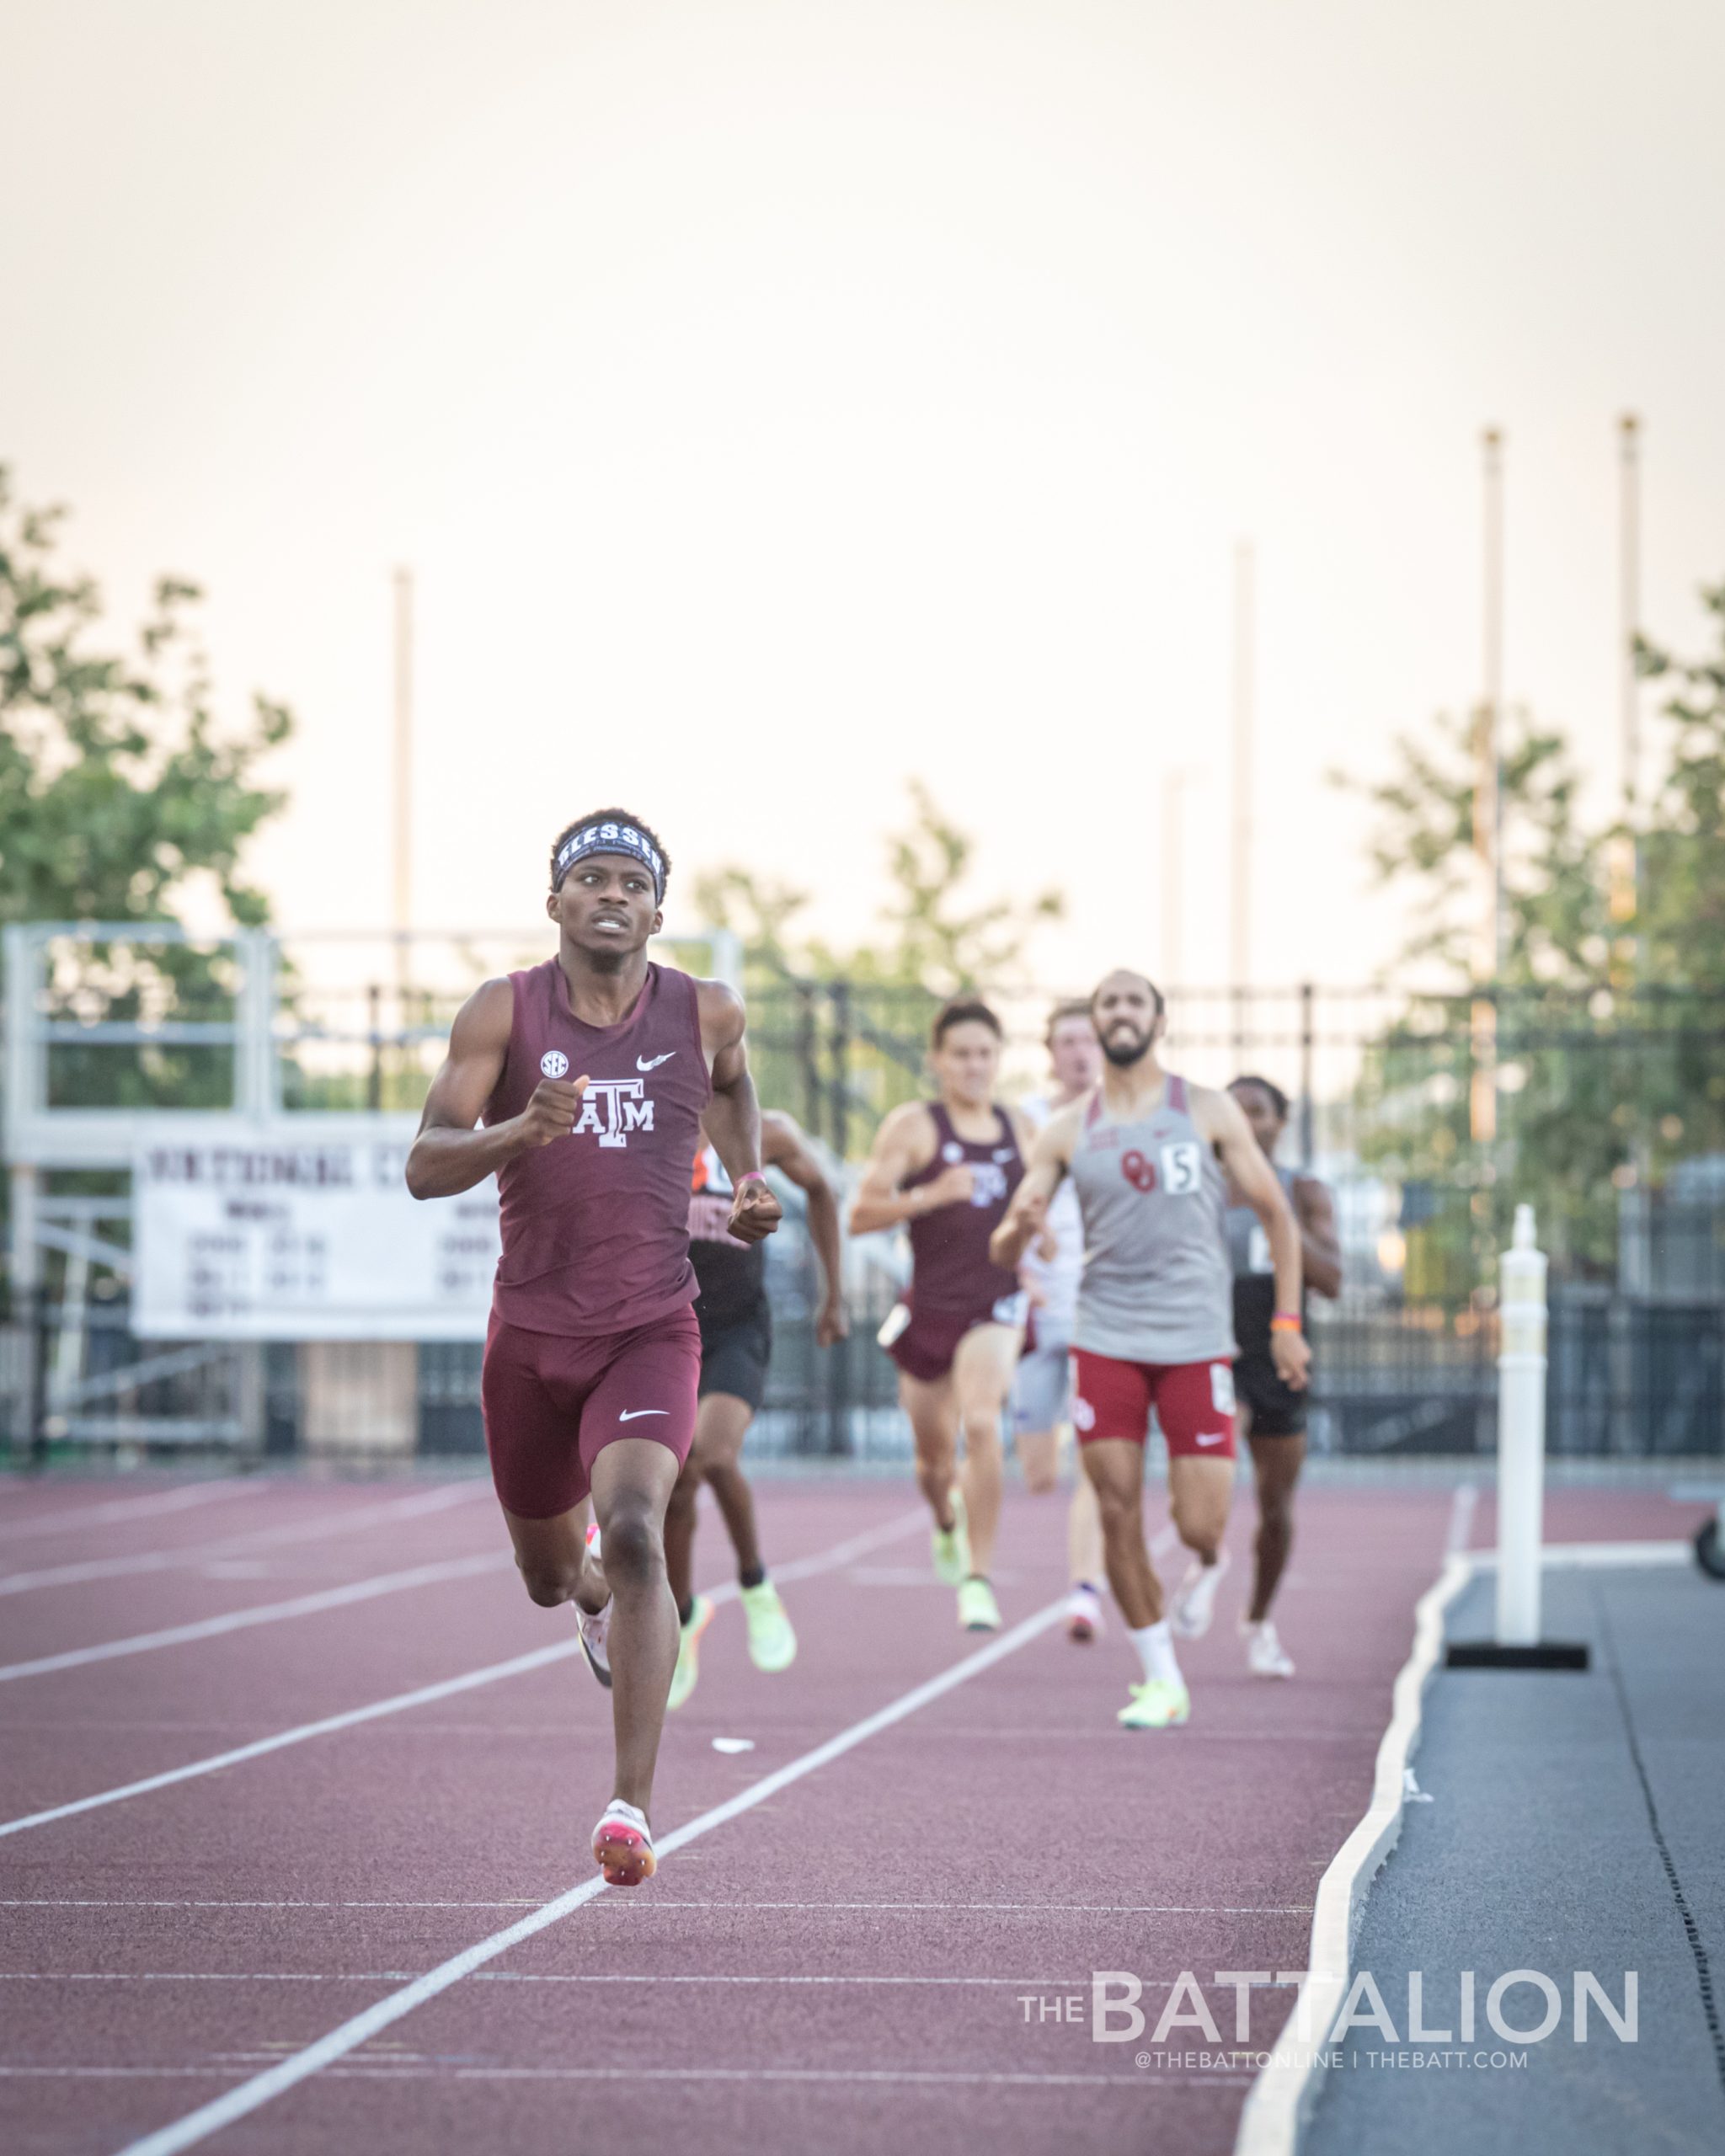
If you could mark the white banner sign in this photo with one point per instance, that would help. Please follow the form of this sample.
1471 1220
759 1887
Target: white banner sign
291 1236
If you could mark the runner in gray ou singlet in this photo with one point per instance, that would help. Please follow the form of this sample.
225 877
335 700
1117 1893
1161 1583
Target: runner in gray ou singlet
1156 1287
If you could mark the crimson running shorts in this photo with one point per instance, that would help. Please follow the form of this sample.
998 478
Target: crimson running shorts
1193 1403
552 1402
923 1342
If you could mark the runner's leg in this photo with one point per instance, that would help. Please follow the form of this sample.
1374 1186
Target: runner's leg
982 1378
1199 1494
1039 1458
553 1559
720 1431
1277 1462
633 1479
931 1406
1114 1468
1084 1551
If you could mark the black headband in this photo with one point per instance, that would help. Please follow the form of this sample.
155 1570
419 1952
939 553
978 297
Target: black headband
611 838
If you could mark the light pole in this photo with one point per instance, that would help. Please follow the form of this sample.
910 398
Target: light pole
1491 922
1244 696
1174 785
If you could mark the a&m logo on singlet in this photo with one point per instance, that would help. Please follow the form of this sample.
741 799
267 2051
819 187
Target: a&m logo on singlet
611 1108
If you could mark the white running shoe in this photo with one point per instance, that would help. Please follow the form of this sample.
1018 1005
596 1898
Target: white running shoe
595 1627
1084 1617
1265 1655
622 1845
1194 1602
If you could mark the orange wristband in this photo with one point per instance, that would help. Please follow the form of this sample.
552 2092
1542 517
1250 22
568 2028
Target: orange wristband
1286 1321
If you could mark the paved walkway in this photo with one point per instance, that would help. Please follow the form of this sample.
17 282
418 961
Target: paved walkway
1576 1822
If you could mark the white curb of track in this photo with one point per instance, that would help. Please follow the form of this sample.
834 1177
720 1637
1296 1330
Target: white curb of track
275 2081
1278 2109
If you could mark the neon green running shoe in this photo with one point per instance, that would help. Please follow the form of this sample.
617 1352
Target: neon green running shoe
951 1545
978 1611
1157 1704
773 1645
688 1668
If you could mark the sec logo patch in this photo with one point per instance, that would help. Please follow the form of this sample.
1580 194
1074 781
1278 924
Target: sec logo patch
554 1063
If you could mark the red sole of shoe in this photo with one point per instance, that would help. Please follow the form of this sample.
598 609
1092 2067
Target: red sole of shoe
624 1857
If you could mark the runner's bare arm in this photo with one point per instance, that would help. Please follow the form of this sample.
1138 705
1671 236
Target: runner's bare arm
1320 1240
732 1117
903 1146
1223 1121
1050 1157
783 1147
449 1155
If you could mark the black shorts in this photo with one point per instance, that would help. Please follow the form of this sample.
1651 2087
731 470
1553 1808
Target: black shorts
1277 1410
733 1357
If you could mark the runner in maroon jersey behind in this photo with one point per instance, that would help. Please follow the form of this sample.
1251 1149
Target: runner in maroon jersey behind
592 1074
946 1168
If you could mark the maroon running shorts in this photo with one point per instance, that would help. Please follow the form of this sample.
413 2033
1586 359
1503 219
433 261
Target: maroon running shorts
553 1402
923 1342
1194 1402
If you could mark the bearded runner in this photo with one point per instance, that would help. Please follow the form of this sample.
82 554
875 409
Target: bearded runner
1147 1152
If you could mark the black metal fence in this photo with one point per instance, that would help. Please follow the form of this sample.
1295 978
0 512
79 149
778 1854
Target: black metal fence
1429 1117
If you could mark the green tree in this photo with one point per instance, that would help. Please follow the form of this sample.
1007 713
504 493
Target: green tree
119 798
935 942
1607 1043
841 1035
1682 882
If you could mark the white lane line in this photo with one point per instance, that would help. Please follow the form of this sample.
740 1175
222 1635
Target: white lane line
262 2088
194 1768
1462 1507
231 1545
266 1613
799 1568
1585 1556
1283 2094
162 1500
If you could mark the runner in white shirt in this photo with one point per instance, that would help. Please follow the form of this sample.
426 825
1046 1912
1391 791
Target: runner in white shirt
1051 1270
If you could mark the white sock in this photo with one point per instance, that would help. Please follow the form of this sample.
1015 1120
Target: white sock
1156 1650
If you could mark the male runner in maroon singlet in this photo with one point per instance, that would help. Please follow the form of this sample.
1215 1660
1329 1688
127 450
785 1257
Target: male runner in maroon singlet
592 1074
947 1169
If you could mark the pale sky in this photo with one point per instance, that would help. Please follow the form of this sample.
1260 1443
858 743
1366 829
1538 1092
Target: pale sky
778 401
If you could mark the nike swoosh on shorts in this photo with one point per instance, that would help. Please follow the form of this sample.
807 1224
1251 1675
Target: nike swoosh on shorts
634 1414
1214 1438
653 1062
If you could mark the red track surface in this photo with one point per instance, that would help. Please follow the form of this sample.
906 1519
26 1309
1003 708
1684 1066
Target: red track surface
842 1968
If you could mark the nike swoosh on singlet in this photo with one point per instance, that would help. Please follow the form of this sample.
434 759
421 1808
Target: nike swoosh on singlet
653 1062
634 1414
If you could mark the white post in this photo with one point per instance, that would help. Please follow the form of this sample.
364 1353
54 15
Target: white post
1521 1434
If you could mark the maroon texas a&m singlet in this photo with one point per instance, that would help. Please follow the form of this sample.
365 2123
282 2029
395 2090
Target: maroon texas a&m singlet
596 1224
950 1267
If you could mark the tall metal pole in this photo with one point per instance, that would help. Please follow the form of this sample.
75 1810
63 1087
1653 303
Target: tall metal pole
402 894
1245 688
1629 601
1623 863
1173 876
1491 653
1490 939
